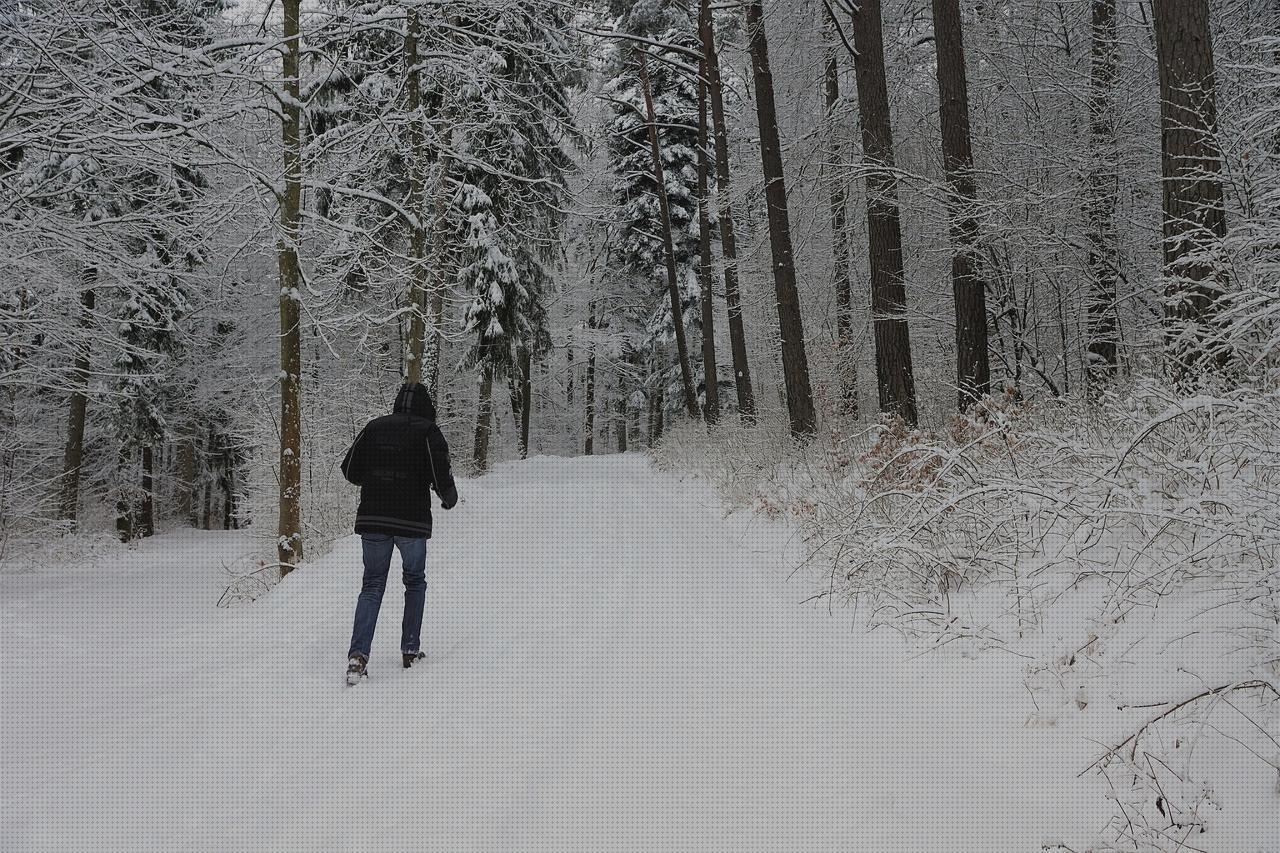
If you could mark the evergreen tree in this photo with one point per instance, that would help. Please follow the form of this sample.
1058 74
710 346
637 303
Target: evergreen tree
640 252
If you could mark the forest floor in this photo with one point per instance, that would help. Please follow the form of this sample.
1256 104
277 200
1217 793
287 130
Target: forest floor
613 664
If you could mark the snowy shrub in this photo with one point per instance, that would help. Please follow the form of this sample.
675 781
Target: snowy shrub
1125 546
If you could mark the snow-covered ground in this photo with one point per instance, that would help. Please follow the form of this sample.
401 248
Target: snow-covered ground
612 665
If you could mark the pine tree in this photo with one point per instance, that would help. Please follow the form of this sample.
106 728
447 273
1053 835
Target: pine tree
512 124
641 254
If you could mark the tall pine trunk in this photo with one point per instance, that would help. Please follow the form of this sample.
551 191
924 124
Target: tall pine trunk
589 427
484 422
289 529
711 408
521 398
668 247
838 202
728 238
1103 186
973 365
418 272
795 363
187 478
73 454
440 268
147 502
1195 220
894 374
622 424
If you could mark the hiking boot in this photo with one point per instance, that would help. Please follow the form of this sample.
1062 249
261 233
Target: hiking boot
410 658
356 669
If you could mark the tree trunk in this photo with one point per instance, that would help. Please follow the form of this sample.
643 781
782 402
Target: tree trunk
622 424
440 265
521 386
656 417
728 239
884 231
573 376
589 428
664 212
207 507
484 422
289 532
147 504
228 487
526 400
418 271
711 407
838 203
1103 187
73 455
187 478
1194 217
795 364
973 365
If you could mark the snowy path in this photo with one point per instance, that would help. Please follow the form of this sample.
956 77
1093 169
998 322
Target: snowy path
613 665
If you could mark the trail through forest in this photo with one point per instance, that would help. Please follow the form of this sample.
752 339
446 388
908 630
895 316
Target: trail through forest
613 664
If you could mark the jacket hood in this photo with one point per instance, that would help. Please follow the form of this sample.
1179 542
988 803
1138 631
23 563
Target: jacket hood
414 399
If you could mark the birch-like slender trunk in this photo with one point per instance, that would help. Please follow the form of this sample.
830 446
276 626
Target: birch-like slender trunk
724 207
795 362
289 529
668 246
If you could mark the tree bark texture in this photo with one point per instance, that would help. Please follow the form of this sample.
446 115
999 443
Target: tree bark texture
1102 348
73 454
728 237
973 365
668 248
1194 217
838 203
894 375
289 529
418 271
795 363
622 424
484 423
521 398
711 407
589 427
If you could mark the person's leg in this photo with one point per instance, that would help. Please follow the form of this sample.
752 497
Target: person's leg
377 560
413 554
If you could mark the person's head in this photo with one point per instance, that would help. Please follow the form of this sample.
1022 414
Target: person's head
414 399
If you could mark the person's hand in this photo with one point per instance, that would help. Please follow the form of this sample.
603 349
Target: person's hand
448 504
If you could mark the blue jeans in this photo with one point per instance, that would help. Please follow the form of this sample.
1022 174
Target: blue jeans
377 562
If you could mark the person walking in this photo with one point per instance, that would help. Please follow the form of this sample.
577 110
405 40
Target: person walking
395 460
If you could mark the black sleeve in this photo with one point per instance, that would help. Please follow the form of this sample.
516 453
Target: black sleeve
441 475
353 462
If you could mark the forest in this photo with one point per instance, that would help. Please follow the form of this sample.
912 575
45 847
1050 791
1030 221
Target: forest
978 301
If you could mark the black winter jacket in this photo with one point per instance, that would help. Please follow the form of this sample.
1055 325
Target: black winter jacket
394 461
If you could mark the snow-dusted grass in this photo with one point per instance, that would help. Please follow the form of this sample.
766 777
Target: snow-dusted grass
1124 551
